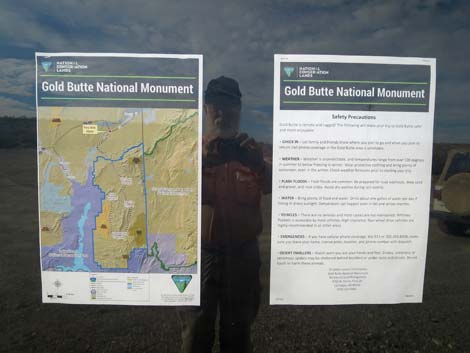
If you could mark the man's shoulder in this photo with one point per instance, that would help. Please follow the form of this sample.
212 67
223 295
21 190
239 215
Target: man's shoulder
228 167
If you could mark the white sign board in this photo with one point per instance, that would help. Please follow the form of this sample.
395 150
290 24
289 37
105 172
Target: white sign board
352 153
113 129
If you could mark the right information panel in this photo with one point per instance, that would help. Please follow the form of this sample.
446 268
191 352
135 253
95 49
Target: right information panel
352 154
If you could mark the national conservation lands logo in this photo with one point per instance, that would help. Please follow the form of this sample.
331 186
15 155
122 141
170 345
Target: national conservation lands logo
46 65
289 70
181 281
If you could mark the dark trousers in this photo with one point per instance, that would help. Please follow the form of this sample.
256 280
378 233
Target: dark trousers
230 283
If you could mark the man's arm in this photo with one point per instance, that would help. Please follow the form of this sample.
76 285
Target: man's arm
267 177
254 159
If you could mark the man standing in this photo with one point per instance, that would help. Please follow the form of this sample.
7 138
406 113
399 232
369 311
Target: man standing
234 175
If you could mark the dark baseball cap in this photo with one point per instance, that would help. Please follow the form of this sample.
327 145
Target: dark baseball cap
223 90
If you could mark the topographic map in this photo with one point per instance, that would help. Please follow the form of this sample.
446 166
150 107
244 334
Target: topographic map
118 189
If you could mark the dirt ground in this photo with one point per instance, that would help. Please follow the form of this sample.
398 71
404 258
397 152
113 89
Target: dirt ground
440 324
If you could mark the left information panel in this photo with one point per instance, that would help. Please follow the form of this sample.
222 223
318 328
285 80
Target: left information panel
119 184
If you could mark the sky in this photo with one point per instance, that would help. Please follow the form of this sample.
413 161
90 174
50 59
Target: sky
239 38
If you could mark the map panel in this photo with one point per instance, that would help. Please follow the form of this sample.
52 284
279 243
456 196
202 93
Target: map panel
118 189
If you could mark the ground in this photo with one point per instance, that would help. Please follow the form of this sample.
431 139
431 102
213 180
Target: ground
440 324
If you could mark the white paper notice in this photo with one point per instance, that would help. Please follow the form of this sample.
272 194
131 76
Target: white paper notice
113 130
352 152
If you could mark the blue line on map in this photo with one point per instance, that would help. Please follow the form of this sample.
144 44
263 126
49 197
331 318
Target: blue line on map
101 210
120 158
145 200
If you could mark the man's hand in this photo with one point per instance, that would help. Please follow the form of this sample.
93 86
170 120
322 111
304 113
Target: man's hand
210 153
251 153
241 148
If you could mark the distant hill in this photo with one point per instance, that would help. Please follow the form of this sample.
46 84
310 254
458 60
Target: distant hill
17 132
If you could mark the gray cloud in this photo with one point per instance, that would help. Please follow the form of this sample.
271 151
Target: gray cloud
16 77
239 39
12 107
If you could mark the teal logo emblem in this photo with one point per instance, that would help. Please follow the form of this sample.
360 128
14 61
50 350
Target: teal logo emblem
289 70
181 281
46 65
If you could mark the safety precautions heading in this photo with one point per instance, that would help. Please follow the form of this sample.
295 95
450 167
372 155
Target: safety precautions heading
352 153
119 177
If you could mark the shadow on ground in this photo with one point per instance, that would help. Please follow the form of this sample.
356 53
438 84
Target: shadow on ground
440 324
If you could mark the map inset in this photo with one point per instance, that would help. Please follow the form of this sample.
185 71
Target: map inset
118 189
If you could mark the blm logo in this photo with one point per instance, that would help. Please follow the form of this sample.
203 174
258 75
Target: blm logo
46 65
181 281
289 70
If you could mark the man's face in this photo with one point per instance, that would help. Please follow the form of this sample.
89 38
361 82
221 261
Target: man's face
218 125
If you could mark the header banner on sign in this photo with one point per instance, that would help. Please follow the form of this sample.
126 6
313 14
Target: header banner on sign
354 86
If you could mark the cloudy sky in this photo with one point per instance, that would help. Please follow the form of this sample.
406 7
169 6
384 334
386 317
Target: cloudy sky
239 38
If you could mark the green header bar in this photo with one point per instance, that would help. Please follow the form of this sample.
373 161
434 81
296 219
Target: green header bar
119 99
356 103
361 81
122 76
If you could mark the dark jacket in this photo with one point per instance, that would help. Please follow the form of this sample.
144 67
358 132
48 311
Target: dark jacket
231 194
